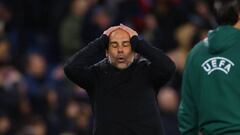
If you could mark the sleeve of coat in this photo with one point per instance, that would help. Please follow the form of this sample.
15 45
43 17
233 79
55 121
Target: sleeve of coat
79 68
161 67
187 112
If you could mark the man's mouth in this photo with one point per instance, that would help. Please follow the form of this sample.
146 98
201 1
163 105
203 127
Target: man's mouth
120 60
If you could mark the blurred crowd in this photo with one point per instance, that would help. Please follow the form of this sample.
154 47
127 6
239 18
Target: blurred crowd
36 37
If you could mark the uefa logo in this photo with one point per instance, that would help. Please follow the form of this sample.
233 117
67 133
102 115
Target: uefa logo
217 63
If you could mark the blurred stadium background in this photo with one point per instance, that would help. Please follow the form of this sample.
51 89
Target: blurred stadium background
36 36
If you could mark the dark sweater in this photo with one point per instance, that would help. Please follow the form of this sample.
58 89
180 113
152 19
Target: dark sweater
123 100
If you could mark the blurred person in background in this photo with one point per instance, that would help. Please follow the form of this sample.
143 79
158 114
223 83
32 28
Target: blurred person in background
35 126
5 124
122 86
169 18
97 19
151 31
184 36
52 112
5 48
203 16
77 117
71 113
133 13
169 95
210 88
168 100
203 19
10 81
70 29
5 18
37 80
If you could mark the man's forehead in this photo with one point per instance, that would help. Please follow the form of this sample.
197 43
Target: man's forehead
119 33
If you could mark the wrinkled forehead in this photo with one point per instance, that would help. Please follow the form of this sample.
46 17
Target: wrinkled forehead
119 35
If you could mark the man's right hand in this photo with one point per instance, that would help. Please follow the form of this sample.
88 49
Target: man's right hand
110 30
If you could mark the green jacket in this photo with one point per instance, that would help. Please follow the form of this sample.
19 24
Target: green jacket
210 101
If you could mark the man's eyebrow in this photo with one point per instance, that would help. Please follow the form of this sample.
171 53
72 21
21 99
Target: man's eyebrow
126 41
113 42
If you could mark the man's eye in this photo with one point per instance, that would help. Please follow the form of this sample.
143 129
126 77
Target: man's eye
126 44
114 45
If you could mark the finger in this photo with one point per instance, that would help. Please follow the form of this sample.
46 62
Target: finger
125 28
121 24
108 31
113 28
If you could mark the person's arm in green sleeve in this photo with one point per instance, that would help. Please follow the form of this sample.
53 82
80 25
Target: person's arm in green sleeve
187 113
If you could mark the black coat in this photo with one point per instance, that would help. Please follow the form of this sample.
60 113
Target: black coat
123 100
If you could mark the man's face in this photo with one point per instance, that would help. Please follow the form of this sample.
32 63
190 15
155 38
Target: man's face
119 52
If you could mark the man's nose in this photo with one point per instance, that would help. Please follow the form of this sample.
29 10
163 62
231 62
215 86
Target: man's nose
120 49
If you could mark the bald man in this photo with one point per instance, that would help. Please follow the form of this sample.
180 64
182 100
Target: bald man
122 86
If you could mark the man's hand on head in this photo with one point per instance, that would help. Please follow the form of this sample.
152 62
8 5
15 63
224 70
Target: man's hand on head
130 31
110 30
